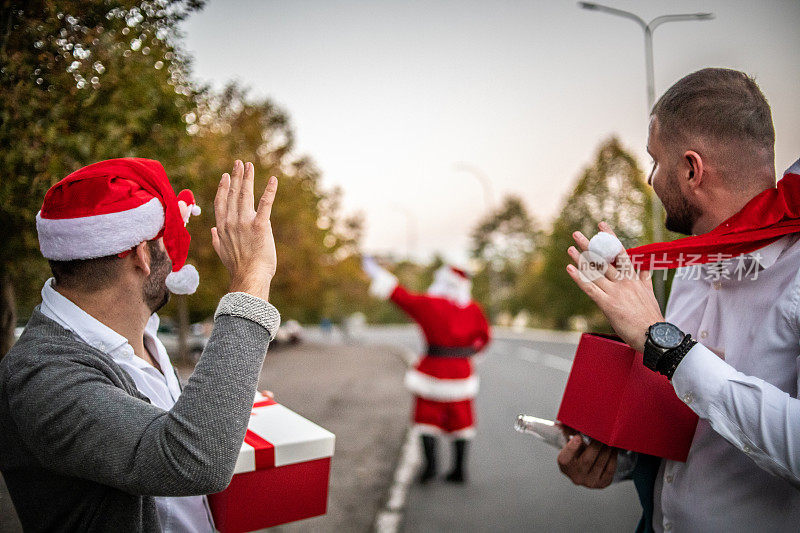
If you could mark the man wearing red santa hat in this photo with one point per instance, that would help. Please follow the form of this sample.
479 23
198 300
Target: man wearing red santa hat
95 431
443 381
730 342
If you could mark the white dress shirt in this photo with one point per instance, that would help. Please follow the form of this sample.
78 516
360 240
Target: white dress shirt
176 514
743 468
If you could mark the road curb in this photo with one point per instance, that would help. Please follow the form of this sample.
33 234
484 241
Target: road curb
390 517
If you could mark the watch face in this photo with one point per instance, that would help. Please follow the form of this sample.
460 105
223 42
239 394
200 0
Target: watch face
666 335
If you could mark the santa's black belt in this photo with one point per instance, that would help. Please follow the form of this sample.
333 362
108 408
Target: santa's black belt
450 351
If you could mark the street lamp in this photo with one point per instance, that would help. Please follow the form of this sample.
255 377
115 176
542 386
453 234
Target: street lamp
649 28
481 176
488 198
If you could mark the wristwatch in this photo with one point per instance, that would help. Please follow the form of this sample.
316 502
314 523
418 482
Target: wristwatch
665 347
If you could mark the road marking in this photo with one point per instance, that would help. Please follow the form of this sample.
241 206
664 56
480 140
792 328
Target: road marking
541 358
390 517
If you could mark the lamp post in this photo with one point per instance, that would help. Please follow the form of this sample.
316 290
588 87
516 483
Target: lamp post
649 28
486 184
488 198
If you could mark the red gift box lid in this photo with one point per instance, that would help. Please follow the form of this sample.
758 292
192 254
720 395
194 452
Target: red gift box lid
612 397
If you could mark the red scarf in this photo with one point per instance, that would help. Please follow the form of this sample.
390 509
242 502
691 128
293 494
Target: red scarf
770 215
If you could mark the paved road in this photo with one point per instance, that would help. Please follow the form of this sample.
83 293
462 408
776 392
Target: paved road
514 481
356 393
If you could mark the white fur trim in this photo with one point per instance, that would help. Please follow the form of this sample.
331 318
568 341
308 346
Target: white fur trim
464 433
442 390
383 284
66 239
184 281
467 433
187 210
428 429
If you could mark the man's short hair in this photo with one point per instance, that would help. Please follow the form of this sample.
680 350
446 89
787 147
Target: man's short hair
86 275
720 104
90 275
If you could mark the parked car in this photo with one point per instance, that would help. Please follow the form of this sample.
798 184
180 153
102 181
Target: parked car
196 339
290 332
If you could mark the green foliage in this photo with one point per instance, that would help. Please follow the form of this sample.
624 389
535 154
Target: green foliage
316 274
612 189
505 236
504 244
87 81
522 269
81 82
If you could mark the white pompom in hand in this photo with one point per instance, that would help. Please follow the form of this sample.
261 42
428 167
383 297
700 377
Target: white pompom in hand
606 246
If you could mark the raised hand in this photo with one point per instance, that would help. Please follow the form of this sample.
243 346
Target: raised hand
243 237
624 295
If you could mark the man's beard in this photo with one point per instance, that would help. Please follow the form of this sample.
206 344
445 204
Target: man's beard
681 214
155 292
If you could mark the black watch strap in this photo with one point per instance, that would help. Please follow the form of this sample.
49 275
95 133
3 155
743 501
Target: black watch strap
668 363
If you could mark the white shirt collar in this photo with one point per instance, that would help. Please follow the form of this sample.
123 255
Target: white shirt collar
767 255
96 334
74 319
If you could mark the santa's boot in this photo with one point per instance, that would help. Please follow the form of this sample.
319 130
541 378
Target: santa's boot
429 447
458 474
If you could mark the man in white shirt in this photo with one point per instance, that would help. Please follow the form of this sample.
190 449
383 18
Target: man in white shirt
711 139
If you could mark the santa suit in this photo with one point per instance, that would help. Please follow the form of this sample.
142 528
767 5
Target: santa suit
443 380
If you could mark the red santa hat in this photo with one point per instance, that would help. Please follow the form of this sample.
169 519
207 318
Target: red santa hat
109 207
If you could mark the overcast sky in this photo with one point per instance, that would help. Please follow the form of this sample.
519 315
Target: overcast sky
388 96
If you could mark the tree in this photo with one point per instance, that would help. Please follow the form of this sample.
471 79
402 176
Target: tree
612 189
81 81
315 243
86 81
503 243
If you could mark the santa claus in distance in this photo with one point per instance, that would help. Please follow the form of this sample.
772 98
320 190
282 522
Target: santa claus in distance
443 381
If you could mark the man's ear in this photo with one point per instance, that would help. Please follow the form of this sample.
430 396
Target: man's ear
141 257
694 168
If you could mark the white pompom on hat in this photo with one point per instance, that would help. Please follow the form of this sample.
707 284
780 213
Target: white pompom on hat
110 207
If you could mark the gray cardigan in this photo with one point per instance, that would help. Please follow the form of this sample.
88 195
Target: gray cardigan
81 449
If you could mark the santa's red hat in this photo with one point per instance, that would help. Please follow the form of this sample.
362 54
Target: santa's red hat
109 207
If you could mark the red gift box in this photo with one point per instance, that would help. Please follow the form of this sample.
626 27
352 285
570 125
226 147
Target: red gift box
612 397
281 474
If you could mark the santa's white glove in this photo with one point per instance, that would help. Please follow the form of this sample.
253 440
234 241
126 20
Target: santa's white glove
371 267
383 281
